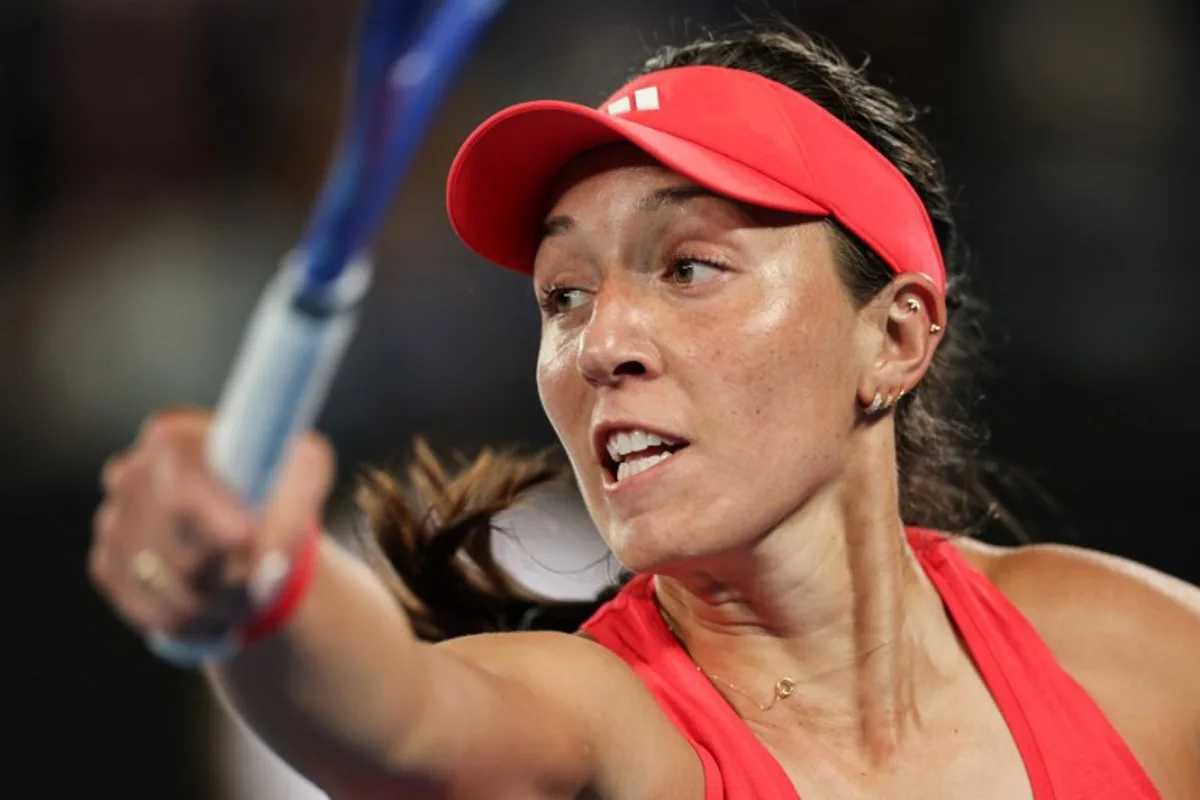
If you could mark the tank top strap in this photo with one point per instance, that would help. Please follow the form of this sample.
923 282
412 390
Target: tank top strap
1069 747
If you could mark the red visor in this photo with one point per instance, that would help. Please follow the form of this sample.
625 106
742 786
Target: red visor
734 132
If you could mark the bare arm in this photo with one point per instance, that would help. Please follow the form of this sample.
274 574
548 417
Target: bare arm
345 692
350 698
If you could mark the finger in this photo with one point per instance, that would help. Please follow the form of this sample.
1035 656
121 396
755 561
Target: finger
208 516
112 471
306 479
147 572
172 420
139 560
152 559
152 597
177 504
181 480
102 522
139 518
203 571
109 572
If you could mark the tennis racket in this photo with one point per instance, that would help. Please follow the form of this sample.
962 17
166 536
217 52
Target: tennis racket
408 53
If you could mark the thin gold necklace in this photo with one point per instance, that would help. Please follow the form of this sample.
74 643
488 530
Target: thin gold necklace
783 687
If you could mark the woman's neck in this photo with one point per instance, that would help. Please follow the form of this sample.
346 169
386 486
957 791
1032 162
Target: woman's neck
833 600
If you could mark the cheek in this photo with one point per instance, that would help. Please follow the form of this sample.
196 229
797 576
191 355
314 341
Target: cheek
562 390
552 365
789 371
566 402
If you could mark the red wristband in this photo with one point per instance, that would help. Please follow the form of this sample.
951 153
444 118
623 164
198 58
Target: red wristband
287 601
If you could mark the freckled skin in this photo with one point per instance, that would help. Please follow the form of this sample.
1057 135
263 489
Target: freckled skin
756 364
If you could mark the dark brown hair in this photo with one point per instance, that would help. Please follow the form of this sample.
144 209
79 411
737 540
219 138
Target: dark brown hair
432 539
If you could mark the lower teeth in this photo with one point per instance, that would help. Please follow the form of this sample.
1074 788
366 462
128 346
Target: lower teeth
627 468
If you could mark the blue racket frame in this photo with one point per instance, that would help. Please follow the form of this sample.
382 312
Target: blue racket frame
409 53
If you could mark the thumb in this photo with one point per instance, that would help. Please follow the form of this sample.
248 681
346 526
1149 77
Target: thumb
294 507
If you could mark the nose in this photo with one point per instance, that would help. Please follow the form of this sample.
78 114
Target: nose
617 344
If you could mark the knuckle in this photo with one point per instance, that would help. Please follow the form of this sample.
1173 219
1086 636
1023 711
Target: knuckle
315 460
188 493
205 518
235 535
102 522
159 428
181 482
320 447
182 502
173 428
97 568
113 471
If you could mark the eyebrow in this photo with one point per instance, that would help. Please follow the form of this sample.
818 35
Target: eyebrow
654 201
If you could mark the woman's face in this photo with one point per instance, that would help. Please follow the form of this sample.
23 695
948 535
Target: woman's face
726 333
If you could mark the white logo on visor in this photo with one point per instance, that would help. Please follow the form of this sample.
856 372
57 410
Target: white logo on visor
644 99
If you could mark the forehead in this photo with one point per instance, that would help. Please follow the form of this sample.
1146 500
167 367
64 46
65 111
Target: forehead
618 182
612 172
614 195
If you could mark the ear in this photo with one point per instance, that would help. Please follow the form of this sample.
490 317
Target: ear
909 315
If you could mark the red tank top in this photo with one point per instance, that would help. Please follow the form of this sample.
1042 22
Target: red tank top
1070 750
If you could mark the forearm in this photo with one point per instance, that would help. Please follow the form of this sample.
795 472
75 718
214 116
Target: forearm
337 691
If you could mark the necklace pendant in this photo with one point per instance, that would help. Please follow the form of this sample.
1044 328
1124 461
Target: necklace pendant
784 688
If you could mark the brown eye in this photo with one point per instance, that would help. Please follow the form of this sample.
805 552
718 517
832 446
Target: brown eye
687 271
557 300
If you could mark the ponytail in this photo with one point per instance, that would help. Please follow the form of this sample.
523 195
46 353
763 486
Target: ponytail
431 543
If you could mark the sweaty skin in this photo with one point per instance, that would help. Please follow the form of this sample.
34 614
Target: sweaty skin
683 313
775 535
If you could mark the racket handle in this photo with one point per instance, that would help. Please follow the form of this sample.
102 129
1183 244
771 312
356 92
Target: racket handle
291 350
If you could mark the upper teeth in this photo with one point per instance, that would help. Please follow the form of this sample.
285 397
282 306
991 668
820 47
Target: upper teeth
623 443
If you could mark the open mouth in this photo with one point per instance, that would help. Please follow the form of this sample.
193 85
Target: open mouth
629 452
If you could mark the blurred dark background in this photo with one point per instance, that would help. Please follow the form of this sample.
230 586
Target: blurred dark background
157 157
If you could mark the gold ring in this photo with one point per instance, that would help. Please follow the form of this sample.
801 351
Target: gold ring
148 570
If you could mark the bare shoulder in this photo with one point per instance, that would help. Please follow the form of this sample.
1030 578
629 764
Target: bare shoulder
556 654
1129 634
639 751
572 667
1090 606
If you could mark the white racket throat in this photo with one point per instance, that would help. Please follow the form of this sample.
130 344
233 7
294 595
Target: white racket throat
282 375
279 382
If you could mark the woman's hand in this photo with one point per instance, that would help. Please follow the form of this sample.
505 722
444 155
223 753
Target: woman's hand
173 550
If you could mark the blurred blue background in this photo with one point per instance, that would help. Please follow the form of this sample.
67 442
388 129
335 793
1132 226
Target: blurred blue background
157 157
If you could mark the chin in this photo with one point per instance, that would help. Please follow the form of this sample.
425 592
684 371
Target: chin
691 513
658 542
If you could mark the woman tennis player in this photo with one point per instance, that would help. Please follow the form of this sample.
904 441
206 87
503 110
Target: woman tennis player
754 332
